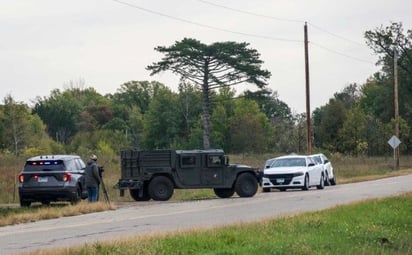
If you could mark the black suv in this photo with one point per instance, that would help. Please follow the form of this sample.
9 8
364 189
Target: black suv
52 178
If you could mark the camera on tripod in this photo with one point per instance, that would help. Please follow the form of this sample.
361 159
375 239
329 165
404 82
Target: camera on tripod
101 170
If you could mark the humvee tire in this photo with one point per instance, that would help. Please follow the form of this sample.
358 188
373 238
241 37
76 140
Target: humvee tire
134 193
224 193
160 188
246 185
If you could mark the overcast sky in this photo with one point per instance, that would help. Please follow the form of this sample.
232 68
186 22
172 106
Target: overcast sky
52 44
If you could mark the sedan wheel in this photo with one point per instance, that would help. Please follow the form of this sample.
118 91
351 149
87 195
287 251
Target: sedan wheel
306 184
333 181
321 183
327 181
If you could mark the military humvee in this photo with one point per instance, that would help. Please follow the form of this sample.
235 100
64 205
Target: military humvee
155 174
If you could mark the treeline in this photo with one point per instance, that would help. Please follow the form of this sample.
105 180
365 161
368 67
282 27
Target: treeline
148 115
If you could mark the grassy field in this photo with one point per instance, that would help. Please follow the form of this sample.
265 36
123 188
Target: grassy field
380 226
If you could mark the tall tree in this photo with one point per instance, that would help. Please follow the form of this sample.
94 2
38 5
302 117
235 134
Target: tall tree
61 111
328 119
379 97
15 115
352 132
269 103
385 41
249 127
211 66
21 132
189 109
136 93
160 127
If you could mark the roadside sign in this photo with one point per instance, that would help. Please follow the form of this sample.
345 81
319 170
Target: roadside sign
394 142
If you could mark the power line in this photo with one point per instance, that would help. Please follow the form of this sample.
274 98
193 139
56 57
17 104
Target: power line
206 26
340 53
251 13
247 34
335 35
282 19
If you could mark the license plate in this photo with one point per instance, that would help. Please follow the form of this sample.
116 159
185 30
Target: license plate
43 179
280 180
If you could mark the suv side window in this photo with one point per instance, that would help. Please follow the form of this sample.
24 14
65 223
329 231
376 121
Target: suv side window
70 164
79 164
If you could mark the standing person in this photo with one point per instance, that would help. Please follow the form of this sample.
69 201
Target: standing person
92 178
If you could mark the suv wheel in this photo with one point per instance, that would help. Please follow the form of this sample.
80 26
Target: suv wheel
45 202
134 193
77 197
24 203
160 188
246 185
224 193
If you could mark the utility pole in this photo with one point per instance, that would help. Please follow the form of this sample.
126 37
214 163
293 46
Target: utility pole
396 102
308 117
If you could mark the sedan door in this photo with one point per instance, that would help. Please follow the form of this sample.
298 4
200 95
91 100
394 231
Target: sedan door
315 172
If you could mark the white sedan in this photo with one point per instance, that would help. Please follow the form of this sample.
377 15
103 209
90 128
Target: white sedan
330 178
291 172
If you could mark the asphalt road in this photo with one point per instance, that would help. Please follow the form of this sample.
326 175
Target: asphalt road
159 217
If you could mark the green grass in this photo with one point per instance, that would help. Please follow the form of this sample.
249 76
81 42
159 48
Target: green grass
382 226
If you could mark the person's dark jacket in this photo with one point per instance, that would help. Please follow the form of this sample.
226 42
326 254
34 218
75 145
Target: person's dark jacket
92 177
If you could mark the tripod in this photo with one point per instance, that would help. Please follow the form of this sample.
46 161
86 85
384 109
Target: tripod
106 196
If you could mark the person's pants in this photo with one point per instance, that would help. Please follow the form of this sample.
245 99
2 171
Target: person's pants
93 193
